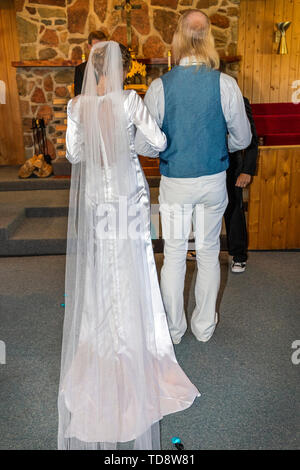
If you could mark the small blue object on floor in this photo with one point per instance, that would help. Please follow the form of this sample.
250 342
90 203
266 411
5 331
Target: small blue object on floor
62 305
177 442
248 381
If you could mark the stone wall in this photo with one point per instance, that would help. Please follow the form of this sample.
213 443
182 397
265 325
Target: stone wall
53 29
39 87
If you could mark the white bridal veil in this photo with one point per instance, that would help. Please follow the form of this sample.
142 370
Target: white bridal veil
119 375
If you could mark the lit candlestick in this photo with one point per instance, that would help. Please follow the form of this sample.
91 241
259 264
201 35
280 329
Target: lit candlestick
169 60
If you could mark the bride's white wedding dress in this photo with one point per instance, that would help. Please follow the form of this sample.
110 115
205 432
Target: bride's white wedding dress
119 373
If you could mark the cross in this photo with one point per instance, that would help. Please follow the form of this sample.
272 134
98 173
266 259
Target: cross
127 7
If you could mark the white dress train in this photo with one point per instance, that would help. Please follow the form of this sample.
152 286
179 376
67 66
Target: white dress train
123 376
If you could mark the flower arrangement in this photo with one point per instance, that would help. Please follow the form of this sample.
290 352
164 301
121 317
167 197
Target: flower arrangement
136 77
137 69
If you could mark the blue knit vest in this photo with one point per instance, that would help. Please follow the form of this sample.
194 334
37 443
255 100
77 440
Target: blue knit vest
193 123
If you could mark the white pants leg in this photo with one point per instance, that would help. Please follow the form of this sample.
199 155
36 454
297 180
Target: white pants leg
176 224
180 200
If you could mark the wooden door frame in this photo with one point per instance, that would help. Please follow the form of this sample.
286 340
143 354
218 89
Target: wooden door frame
11 131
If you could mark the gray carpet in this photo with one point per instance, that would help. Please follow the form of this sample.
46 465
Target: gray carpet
249 385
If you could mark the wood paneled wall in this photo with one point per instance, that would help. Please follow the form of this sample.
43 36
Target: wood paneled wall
274 200
11 133
265 76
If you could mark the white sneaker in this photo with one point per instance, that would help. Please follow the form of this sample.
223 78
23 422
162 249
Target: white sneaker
238 267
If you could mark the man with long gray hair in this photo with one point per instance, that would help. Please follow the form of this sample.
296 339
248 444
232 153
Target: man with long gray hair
202 113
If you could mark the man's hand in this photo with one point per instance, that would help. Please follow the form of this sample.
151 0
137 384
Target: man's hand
243 180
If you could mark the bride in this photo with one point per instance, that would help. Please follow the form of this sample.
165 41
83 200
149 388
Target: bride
119 374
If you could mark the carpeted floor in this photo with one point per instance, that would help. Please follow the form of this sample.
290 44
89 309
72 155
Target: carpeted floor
250 387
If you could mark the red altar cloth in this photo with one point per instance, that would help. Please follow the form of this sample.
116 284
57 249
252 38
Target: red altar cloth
277 123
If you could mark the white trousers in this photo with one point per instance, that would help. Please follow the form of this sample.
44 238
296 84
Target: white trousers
186 202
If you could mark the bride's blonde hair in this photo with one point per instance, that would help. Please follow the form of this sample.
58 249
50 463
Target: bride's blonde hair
193 37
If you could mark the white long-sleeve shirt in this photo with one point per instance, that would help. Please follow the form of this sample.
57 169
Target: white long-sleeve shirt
232 103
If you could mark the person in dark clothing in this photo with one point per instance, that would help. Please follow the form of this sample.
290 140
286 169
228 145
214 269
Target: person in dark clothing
93 38
241 168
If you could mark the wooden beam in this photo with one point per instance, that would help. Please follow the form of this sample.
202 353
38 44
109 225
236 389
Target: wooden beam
45 63
73 63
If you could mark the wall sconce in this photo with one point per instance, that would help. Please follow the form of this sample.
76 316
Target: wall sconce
281 37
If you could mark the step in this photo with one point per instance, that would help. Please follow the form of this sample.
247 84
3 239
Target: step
37 236
31 184
275 108
46 211
61 166
10 219
281 124
41 228
282 139
9 181
46 235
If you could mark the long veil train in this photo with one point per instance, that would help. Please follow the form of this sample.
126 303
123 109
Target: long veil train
119 374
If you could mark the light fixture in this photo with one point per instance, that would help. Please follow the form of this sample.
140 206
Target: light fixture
281 37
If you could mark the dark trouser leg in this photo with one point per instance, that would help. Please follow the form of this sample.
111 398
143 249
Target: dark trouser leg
235 220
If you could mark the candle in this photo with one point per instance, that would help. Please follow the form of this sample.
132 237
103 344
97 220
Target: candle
169 60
